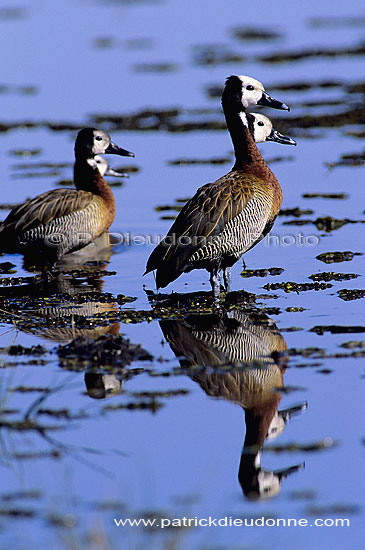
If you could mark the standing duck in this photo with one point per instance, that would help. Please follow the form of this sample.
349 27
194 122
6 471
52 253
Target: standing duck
226 218
60 221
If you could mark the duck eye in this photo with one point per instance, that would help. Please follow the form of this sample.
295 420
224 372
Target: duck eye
260 123
98 138
250 87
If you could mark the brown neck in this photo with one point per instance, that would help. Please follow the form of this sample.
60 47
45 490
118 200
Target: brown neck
248 157
88 178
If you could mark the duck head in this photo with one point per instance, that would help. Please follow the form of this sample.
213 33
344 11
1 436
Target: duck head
91 142
262 129
241 92
105 170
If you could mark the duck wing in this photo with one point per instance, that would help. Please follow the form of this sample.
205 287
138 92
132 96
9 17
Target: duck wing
44 208
204 217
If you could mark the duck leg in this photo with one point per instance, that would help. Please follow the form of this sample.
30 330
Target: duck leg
227 278
215 282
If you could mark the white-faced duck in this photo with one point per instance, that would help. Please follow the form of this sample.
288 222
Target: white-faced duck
226 218
60 221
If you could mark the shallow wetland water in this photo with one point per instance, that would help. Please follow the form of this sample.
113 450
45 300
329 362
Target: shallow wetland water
117 405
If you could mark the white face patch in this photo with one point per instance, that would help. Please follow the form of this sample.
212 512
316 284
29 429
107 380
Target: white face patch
243 117
101 142
251 91
262 127
102 164
92 162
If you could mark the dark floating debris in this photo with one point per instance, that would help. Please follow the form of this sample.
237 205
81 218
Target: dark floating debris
337 257
111 350
25 152
274 160
16 13
317 353
295 309
167 207
326 223
356 134
348 159
286 57
337 329
332 276
297 287
104 42
216 55
155 67
353 344
22 350
325 195
186 161
248 34
274 271
153 405
351 294
296 212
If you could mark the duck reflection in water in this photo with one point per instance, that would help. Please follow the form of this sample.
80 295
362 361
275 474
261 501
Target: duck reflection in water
250 350
63 308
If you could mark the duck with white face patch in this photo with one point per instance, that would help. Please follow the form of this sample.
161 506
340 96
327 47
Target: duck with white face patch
60 221
224 219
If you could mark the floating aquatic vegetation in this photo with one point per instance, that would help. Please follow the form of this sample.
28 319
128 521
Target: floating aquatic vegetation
248 34
155 67
21 495
337 329
325 195
351 294
348 159
353 344
28 389
332 276
187 162
17 349
25 152
13 13
356 134
104 42
166 207
291 329
296 212
274 160
17 512
216 54
337 257
274 271
153 405
297 287
112 350
327 223
308 352
286 57
295 309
